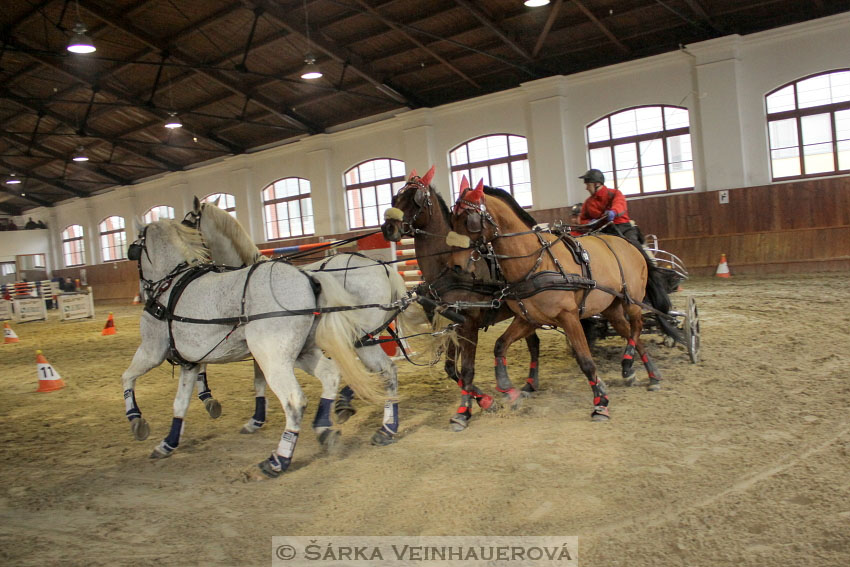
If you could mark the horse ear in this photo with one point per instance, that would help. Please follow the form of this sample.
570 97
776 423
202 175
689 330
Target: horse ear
138 224
477 194
196 204
426 179
412 174
217 199
464 185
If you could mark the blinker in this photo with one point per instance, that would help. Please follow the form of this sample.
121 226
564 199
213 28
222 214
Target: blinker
134 252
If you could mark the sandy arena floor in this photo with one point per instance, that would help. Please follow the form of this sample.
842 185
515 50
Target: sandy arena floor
742 460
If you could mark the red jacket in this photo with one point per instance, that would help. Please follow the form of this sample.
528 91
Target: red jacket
605 198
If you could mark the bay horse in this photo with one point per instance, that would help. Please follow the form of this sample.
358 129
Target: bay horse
195 313
369 281
555 280
419 211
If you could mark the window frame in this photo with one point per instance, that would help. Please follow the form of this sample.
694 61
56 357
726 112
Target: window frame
119 247
664 134
797 114
457 171
395 183
229 210
169 208
82 244
308 196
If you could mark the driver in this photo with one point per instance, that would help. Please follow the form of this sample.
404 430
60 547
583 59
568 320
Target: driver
608 203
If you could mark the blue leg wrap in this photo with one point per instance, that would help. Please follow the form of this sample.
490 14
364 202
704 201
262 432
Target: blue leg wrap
346 393
173 439
133 410
391 417
259 410
203 388
323 414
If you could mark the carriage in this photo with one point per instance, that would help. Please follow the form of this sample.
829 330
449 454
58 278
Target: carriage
687 321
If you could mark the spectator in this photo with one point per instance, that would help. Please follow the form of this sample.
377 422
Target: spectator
30 224
41 224
12 225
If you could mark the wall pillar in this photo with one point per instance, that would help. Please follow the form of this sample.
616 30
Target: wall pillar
718 122
548 144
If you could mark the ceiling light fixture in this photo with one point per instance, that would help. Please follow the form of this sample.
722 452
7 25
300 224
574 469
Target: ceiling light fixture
311 70
12 180
80 42
173 121
535 3
80 154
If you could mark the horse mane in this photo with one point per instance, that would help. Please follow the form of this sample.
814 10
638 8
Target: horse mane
508 199
444 208
189 242
231 229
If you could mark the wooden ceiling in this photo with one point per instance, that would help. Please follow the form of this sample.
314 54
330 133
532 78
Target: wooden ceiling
231 70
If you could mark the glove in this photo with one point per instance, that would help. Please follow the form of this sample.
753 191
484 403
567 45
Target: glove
611 215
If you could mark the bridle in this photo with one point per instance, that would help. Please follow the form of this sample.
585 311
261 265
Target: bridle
422 200
153 288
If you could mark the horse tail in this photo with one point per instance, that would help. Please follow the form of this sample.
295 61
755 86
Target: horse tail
336 334
656 290
659 297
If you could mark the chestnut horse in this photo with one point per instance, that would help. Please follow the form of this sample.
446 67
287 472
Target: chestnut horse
420 212
554 280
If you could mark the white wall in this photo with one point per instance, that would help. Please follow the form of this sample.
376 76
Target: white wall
721 81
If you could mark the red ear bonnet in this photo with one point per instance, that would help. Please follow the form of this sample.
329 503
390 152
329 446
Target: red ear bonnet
464 185
426 179
412 174
477 194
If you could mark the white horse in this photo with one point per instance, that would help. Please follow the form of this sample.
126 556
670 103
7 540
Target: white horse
267 311
368 281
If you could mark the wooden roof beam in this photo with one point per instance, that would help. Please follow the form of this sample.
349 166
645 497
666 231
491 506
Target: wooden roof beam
547 27
355 63
119 21
598 23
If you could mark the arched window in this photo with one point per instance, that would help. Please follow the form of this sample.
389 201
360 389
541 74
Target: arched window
112 238
288 208
369 188
501 160
646 149
808 123
73 246
226 201
158 212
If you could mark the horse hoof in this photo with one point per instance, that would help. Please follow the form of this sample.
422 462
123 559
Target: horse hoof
600 413
381 438
342 414
458 423
630 379
329 438
161 452
267 469
654 385
140 428
213 407
251 427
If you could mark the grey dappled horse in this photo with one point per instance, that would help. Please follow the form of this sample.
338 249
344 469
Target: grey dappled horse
167 251
367 280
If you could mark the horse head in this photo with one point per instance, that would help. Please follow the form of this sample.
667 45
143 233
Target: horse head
163 246
473 227
411 207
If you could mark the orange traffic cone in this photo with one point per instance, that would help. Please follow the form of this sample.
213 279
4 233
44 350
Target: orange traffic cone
9 335
48 379
109 328
723 268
